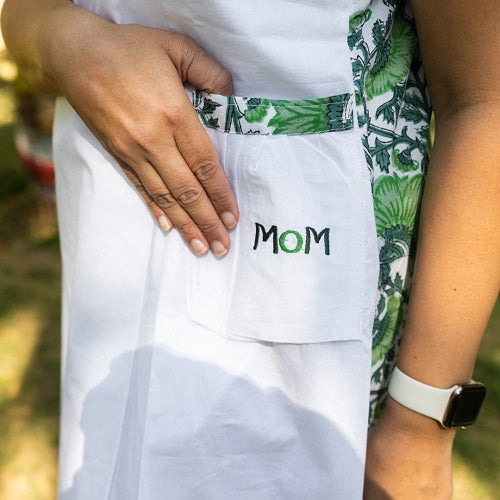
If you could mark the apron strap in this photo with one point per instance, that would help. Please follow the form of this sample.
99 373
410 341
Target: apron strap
256 115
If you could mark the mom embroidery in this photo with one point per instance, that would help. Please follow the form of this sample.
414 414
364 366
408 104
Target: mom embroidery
291 241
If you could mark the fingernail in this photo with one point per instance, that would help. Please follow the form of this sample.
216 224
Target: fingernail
199 248
228 219
219 249
165 224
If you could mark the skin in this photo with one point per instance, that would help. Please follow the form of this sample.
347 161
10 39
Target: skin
457 272
174 166
132 98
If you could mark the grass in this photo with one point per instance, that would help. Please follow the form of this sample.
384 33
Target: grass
29 348
29 323
477 450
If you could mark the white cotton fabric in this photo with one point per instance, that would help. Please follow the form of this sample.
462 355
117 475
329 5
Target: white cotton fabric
297 271
245 377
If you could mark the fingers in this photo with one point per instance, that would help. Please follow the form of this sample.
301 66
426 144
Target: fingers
195 66
164 222
188 181
200 154
182 180
184 203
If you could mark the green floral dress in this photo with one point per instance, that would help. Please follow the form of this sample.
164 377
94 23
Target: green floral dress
394 113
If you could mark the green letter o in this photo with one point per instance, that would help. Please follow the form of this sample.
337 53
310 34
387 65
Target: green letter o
298 246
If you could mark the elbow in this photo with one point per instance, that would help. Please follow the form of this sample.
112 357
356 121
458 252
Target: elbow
451 101
473 108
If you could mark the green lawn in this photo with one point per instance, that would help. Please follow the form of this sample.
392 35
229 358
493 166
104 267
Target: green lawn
29 349
477 450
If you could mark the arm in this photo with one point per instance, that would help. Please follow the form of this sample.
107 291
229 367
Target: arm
126 83
21 23
457 271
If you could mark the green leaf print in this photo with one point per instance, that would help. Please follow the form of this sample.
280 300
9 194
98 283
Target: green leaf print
389 325
387 113
381 79
357 66
397 241
233 116
359 18
391 3
393 114
396 200
209 106
382 51
378 32
354 39
412 115
296 120
205 113
355 23
257 110
398 281
336 115
381 155
423 133
403 160
416 101
390 109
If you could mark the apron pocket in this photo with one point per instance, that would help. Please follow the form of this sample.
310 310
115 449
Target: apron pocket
295 272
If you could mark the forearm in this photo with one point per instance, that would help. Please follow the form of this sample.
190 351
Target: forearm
455 286
457 271
29 28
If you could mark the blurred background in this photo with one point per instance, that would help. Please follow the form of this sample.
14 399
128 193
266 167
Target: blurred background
29 317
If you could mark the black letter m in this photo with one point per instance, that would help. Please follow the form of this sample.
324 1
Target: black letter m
266 235
317 237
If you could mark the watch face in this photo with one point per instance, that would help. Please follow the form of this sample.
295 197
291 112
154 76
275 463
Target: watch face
464 405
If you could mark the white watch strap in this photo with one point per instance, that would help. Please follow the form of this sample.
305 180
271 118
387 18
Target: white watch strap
422 398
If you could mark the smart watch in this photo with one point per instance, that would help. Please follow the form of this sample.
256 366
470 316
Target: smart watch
457 406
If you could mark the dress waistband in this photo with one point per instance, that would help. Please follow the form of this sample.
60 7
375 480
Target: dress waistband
256 115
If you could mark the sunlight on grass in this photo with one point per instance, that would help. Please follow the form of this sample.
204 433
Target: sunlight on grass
6 107
467 484
19 333
8 73
28 459
8 70
27 455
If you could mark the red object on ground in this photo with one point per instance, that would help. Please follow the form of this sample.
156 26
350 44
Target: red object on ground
35 152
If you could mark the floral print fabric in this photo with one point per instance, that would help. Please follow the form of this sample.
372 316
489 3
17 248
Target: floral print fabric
393 112
255 115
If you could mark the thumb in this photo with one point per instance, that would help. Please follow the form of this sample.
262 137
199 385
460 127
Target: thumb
195 66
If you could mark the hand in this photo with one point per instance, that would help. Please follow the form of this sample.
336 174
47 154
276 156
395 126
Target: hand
126 83
408 457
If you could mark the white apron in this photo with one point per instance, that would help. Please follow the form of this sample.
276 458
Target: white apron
244 377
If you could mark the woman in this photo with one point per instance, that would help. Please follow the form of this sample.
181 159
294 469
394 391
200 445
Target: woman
246 373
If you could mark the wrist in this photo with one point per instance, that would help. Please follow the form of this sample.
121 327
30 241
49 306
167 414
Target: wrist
408 422
62 33
417 448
